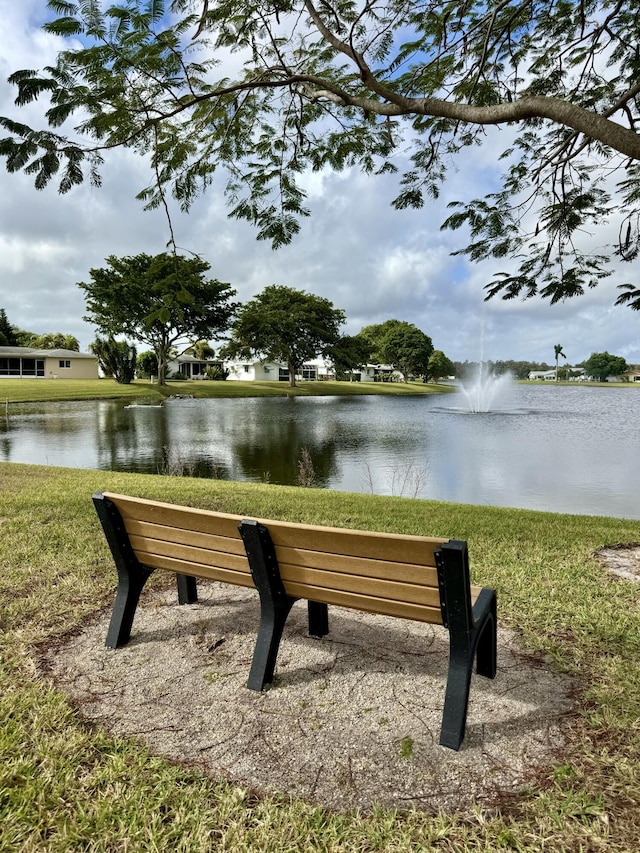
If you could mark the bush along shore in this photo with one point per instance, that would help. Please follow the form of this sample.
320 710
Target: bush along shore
68 786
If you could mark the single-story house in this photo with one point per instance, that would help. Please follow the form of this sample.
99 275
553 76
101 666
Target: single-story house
377 373
31 363
544 375
255 371
259 371
189 367
576 374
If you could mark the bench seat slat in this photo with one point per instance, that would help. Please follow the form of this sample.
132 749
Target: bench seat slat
198 570
164 533
383 569
394 547
146 549
381 589
368 604
170 515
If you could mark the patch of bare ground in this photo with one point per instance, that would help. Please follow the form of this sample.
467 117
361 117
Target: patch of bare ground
621 560
352 720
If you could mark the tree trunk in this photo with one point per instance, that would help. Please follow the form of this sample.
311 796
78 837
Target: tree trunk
292 374
162 369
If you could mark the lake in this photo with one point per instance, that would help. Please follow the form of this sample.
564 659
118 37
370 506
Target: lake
564 449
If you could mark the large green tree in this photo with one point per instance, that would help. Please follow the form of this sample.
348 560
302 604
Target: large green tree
160 300
147 365
349 353
285 325
338 83
375 335
408 349
439 365
401 344
600 365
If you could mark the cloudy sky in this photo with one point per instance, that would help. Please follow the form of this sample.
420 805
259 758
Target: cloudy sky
370 260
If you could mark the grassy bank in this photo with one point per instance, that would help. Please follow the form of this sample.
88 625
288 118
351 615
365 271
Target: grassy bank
42 390
65 786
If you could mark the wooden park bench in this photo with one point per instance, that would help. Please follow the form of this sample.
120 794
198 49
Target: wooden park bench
411 577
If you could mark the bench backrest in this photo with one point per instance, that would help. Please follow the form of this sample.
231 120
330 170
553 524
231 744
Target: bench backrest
390 574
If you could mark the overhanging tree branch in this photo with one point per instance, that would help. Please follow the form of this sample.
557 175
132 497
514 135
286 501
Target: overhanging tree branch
331 84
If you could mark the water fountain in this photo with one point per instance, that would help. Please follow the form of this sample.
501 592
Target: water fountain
486 391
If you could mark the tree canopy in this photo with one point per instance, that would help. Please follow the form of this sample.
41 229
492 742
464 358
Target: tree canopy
401 344
349 353
600 365
285 325
159 300
439 365
147 364
51 340
398 87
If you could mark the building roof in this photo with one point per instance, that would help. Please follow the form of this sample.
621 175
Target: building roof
187 358
31 352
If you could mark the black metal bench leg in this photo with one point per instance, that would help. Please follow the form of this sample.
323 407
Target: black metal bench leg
187 589
480 643
275 604
132 575
318 619
272 622
487 644
472 633
456 700
130 585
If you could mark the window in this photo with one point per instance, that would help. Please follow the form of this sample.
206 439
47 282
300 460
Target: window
64 362
309 371
283 375
9 367
245 367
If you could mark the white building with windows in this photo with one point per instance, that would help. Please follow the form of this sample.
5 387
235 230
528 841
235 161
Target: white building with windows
261 371
187 366
30 363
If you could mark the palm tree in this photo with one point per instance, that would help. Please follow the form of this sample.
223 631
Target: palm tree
557 348
202 350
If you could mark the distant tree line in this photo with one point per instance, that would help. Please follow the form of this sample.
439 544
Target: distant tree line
518 369
12 336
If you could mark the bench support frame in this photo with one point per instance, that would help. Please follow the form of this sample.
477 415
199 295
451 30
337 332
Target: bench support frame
472 628
275 604
132 575
472 635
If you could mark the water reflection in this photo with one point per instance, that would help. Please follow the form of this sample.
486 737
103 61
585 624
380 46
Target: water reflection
563 449
271 448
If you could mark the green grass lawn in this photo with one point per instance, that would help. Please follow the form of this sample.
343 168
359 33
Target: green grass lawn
68 786
42 390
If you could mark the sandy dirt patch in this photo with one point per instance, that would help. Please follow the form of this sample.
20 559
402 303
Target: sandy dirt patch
621 560
352 720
